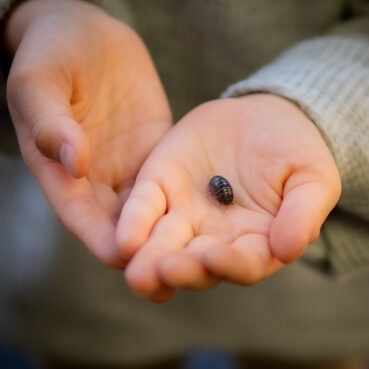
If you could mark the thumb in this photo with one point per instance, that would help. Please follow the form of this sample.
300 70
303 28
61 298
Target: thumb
302 213
43 119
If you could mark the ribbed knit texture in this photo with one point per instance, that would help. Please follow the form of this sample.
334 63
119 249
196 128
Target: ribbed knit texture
56 298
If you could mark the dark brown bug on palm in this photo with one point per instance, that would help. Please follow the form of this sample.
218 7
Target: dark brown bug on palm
222 190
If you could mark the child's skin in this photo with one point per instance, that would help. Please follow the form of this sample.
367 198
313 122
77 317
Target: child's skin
89 108
83 92
284 180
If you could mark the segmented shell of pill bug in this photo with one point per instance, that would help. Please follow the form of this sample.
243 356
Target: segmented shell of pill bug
221 190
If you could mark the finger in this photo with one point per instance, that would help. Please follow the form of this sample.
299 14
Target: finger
247 261
171 233
144 206
41 112
79 210
185 268
162 295
299 219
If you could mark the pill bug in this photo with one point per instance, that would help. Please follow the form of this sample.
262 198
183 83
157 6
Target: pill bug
222 190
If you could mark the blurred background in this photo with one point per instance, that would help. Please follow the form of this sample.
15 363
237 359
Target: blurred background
196 359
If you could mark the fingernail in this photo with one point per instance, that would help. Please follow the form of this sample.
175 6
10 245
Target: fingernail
68 159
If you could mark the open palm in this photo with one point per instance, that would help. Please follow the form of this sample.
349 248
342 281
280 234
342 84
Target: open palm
285 183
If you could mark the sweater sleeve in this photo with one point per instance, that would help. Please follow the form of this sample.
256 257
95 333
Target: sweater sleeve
328 77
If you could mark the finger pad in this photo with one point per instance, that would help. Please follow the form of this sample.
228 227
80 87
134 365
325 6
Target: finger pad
180 270
288 239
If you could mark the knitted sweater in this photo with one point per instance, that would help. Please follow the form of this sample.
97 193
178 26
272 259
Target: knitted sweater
57 299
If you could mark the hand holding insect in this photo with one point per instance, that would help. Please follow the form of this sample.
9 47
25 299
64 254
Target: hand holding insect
284 183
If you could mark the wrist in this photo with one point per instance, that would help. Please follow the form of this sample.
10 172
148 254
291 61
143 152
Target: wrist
275 101
18 20
21 17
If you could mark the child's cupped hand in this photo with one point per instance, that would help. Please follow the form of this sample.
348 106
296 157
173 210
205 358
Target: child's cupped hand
285 183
